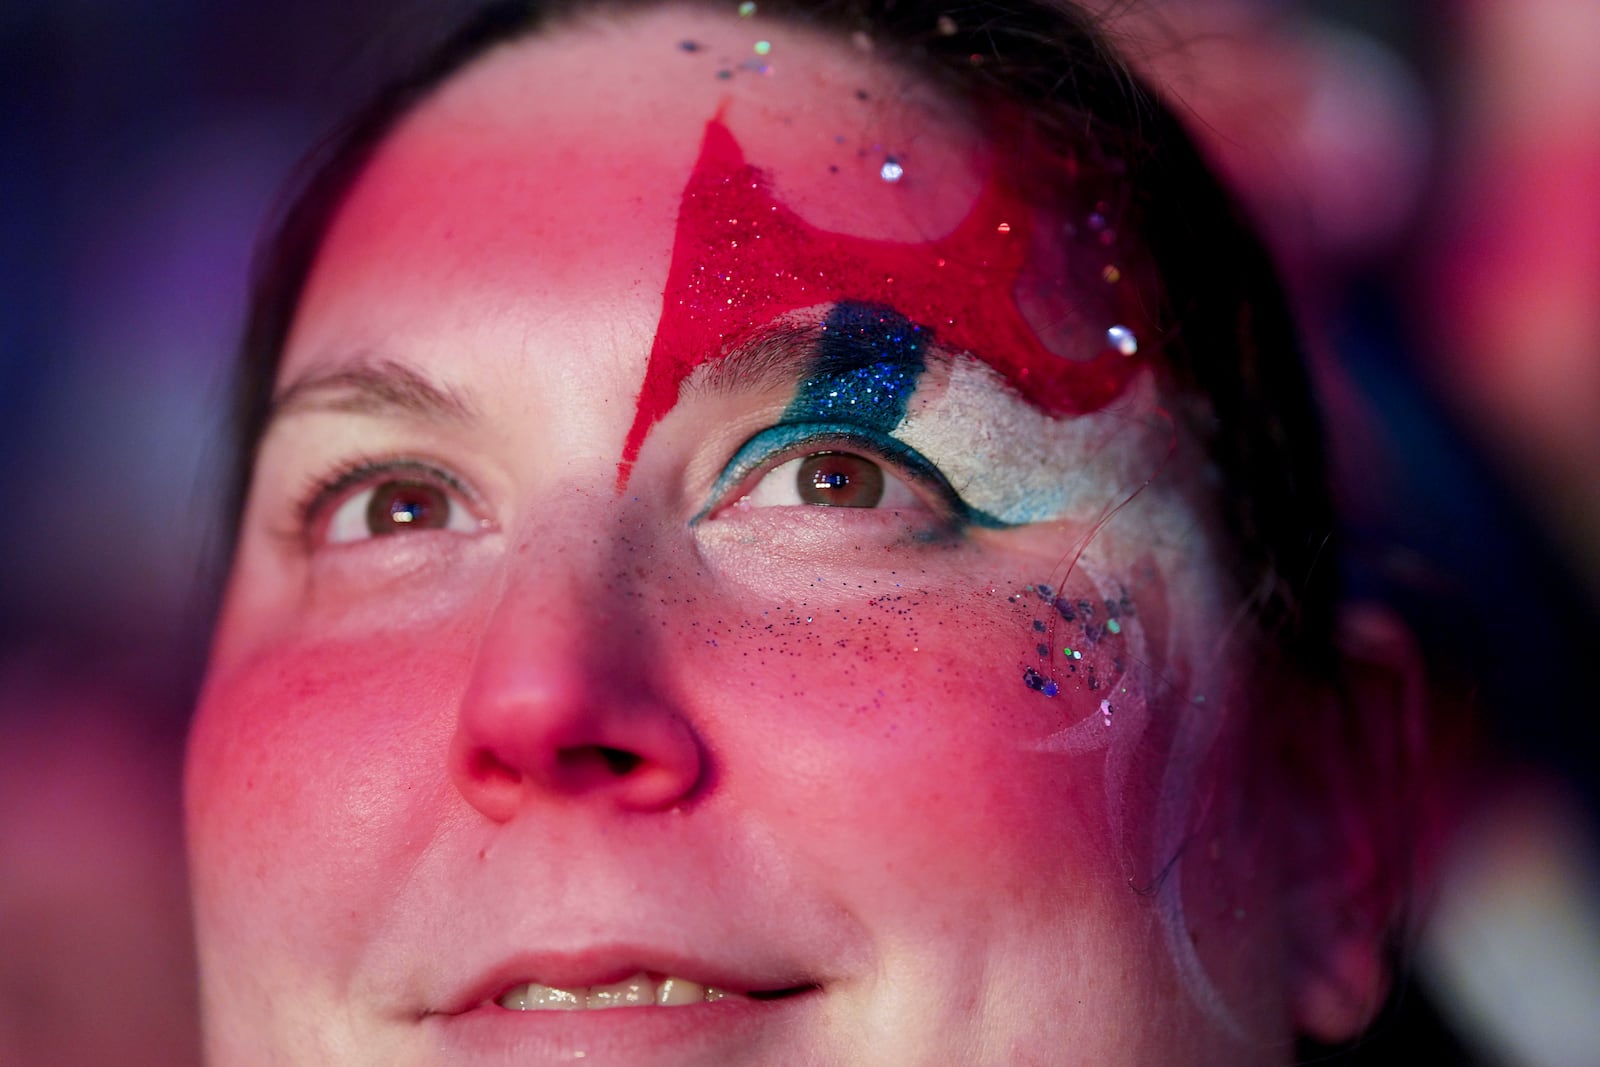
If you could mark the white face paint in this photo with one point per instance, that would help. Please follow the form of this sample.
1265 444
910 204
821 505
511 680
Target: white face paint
1013 462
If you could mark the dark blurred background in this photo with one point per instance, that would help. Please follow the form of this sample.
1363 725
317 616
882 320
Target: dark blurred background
1426 172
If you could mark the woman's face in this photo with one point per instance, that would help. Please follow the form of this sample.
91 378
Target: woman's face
680 549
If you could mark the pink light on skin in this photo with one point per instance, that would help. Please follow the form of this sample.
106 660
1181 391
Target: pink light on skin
839 780
741 259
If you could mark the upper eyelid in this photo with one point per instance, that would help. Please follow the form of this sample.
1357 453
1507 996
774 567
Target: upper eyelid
328 490
919 469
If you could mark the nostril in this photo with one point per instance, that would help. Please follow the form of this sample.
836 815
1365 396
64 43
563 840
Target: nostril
620 761
511 747
485 766
591 763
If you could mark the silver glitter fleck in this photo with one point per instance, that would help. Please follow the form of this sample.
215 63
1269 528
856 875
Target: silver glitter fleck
1121 338
892 170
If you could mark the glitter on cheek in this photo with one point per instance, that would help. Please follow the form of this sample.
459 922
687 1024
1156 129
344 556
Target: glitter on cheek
1117 725
1091 646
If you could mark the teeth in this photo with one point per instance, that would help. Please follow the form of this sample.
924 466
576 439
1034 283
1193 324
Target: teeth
536 997
638 991
674 991
628 993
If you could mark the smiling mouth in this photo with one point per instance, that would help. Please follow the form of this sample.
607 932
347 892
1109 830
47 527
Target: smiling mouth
642 990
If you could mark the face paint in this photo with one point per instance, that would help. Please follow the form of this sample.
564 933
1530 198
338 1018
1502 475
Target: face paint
868 363
741 260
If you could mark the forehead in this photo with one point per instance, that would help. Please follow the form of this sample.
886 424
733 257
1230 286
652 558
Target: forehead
554 166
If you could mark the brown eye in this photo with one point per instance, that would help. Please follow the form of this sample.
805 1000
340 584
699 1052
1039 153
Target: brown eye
375 503
833 479
839 479
407 505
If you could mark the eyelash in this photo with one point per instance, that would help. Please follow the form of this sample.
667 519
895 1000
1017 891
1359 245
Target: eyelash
742 473
316 502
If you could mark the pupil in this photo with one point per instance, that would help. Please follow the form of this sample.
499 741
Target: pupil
841 480
399 506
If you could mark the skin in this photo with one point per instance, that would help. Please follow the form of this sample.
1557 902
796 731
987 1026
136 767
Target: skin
581 732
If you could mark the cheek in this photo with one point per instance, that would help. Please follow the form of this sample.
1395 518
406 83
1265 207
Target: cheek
889 726
881 729
313 781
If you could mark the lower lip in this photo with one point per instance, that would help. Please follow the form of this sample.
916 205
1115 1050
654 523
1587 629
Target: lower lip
735 1030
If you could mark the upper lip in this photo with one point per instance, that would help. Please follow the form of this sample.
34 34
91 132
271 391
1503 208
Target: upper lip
613 963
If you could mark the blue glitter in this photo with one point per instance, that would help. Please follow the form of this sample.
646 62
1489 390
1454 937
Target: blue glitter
1050 689
1032 679
869 359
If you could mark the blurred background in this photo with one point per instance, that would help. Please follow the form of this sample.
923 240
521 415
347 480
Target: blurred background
1427 174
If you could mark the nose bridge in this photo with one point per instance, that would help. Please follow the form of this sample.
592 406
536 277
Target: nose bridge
555 618
573 576
565 698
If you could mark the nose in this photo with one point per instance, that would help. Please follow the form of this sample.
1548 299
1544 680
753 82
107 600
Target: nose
547 718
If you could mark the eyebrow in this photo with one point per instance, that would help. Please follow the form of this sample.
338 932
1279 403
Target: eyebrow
775 357
371 387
